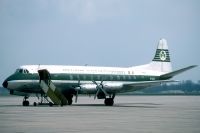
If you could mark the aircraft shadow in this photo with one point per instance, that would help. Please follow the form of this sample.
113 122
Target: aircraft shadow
129 105
121 105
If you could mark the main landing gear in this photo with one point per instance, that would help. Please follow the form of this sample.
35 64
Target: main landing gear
69 99
109 101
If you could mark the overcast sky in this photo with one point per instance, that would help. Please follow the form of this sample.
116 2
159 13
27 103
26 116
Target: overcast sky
98 32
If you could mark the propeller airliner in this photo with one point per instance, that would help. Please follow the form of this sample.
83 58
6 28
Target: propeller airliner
58 84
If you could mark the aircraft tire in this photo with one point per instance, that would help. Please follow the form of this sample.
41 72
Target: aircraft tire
69 101
25 103
109 102
34 104
50 104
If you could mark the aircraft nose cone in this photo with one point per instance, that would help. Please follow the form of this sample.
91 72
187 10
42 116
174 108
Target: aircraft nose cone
5 84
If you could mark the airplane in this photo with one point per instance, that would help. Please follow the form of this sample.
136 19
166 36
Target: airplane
60 83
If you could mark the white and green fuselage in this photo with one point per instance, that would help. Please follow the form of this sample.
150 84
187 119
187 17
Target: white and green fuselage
70 80
67 78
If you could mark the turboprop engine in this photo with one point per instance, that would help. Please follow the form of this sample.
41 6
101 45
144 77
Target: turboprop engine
108 87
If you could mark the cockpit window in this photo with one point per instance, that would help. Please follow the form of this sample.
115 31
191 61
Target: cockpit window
26 71
22 71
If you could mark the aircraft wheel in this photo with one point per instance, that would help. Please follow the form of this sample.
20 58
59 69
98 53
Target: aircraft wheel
50 104
69 101
34 104
25 103
109 102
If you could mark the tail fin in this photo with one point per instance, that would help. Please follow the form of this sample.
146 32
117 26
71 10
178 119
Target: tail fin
162 52
161 61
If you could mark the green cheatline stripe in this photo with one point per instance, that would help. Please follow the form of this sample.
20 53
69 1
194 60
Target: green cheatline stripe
86 77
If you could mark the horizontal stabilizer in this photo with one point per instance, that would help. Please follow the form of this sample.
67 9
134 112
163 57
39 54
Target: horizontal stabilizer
171 74
50 89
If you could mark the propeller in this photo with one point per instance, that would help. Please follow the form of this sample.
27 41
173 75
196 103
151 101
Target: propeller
99 88
76 98
78 88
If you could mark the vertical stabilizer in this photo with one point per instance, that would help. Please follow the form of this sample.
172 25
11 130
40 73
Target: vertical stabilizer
161 61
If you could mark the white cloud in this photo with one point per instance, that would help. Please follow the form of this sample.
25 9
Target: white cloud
86 11
93 10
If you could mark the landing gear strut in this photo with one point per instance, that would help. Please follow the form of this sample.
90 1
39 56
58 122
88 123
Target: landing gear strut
69 99
25 102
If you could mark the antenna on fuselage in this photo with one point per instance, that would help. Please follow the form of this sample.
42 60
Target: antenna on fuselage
38 66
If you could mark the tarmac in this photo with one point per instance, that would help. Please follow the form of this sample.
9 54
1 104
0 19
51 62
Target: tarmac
130 114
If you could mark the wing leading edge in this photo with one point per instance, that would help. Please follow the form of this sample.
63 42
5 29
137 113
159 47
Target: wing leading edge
172 74
144 84
147 83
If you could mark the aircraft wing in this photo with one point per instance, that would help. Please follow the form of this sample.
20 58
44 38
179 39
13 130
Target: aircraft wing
171 74
144 84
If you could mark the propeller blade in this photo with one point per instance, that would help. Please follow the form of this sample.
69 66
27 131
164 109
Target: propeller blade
76 96
95 96
103 90
99 87
95 82
79 84
113 96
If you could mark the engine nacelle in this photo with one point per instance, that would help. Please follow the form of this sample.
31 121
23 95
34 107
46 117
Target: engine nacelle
92 88
88 88
112 86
